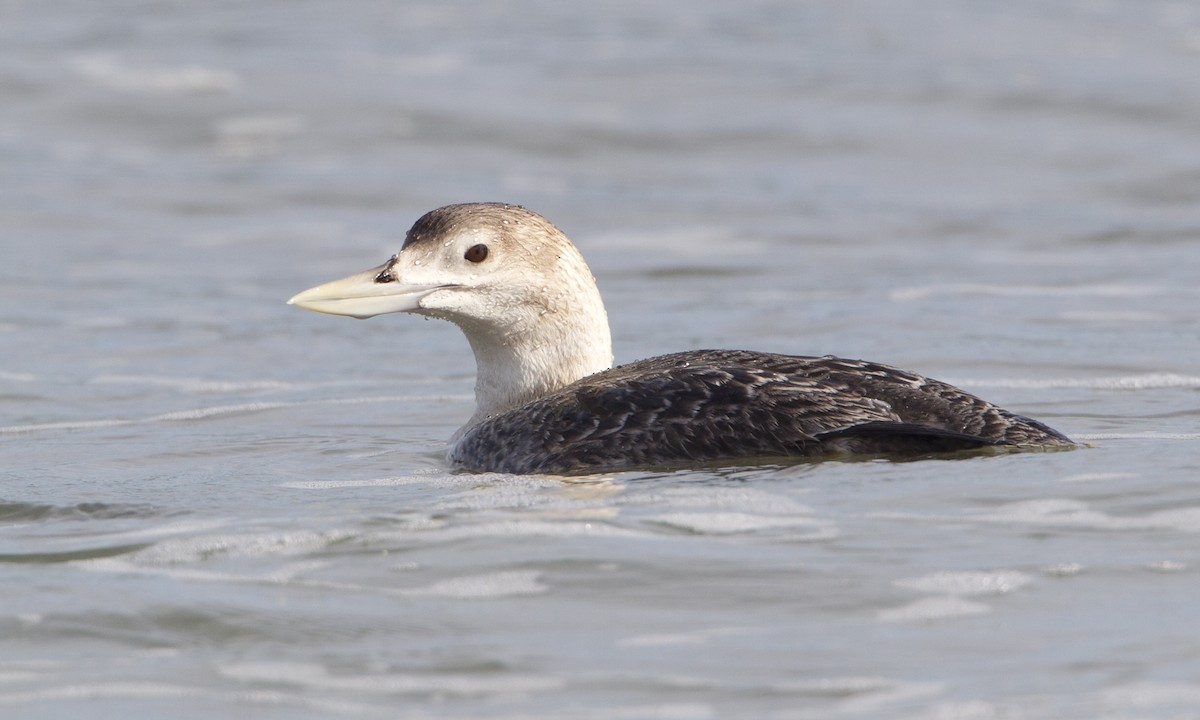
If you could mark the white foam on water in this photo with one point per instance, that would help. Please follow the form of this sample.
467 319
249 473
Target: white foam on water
111 72
949 589
513 528
933 608
343 484
1097 477
967 582
190 550
285 575
492 492
273 672
217 411
291 572
1068 513
483 586
1167 566
66 425
487 585
665 640
1067 569
699 637
728 523
733 499
730 511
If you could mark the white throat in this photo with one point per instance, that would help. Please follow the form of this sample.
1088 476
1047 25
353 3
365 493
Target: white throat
538 353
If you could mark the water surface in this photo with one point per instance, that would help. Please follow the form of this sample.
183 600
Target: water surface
213 505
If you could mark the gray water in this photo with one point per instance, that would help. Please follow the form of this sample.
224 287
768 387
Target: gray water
216 505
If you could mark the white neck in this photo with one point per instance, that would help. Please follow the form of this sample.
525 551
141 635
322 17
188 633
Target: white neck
544 351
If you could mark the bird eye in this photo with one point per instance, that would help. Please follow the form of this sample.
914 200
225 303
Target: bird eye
476 253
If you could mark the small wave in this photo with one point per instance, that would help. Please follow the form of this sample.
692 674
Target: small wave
188 561
103 549
1112 316
179 415
339 484
967 582
862 696
437 533
235 545
20 511
698 637
949 591
217 411
838 687
111 72
909 294
96 554
933 608
1166 566
152 690
1066 513
1147 381
195 385
202 413
730 523
478 587
1147 435
1063 570
392 398
286 574
66 425
1097 477
443 683
98 691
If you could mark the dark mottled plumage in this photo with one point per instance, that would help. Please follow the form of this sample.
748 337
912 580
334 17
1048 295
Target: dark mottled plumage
711 405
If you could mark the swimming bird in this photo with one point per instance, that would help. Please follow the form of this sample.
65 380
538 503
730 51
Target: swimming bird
549 401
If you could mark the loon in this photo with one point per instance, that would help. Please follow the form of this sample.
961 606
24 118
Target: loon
548 399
